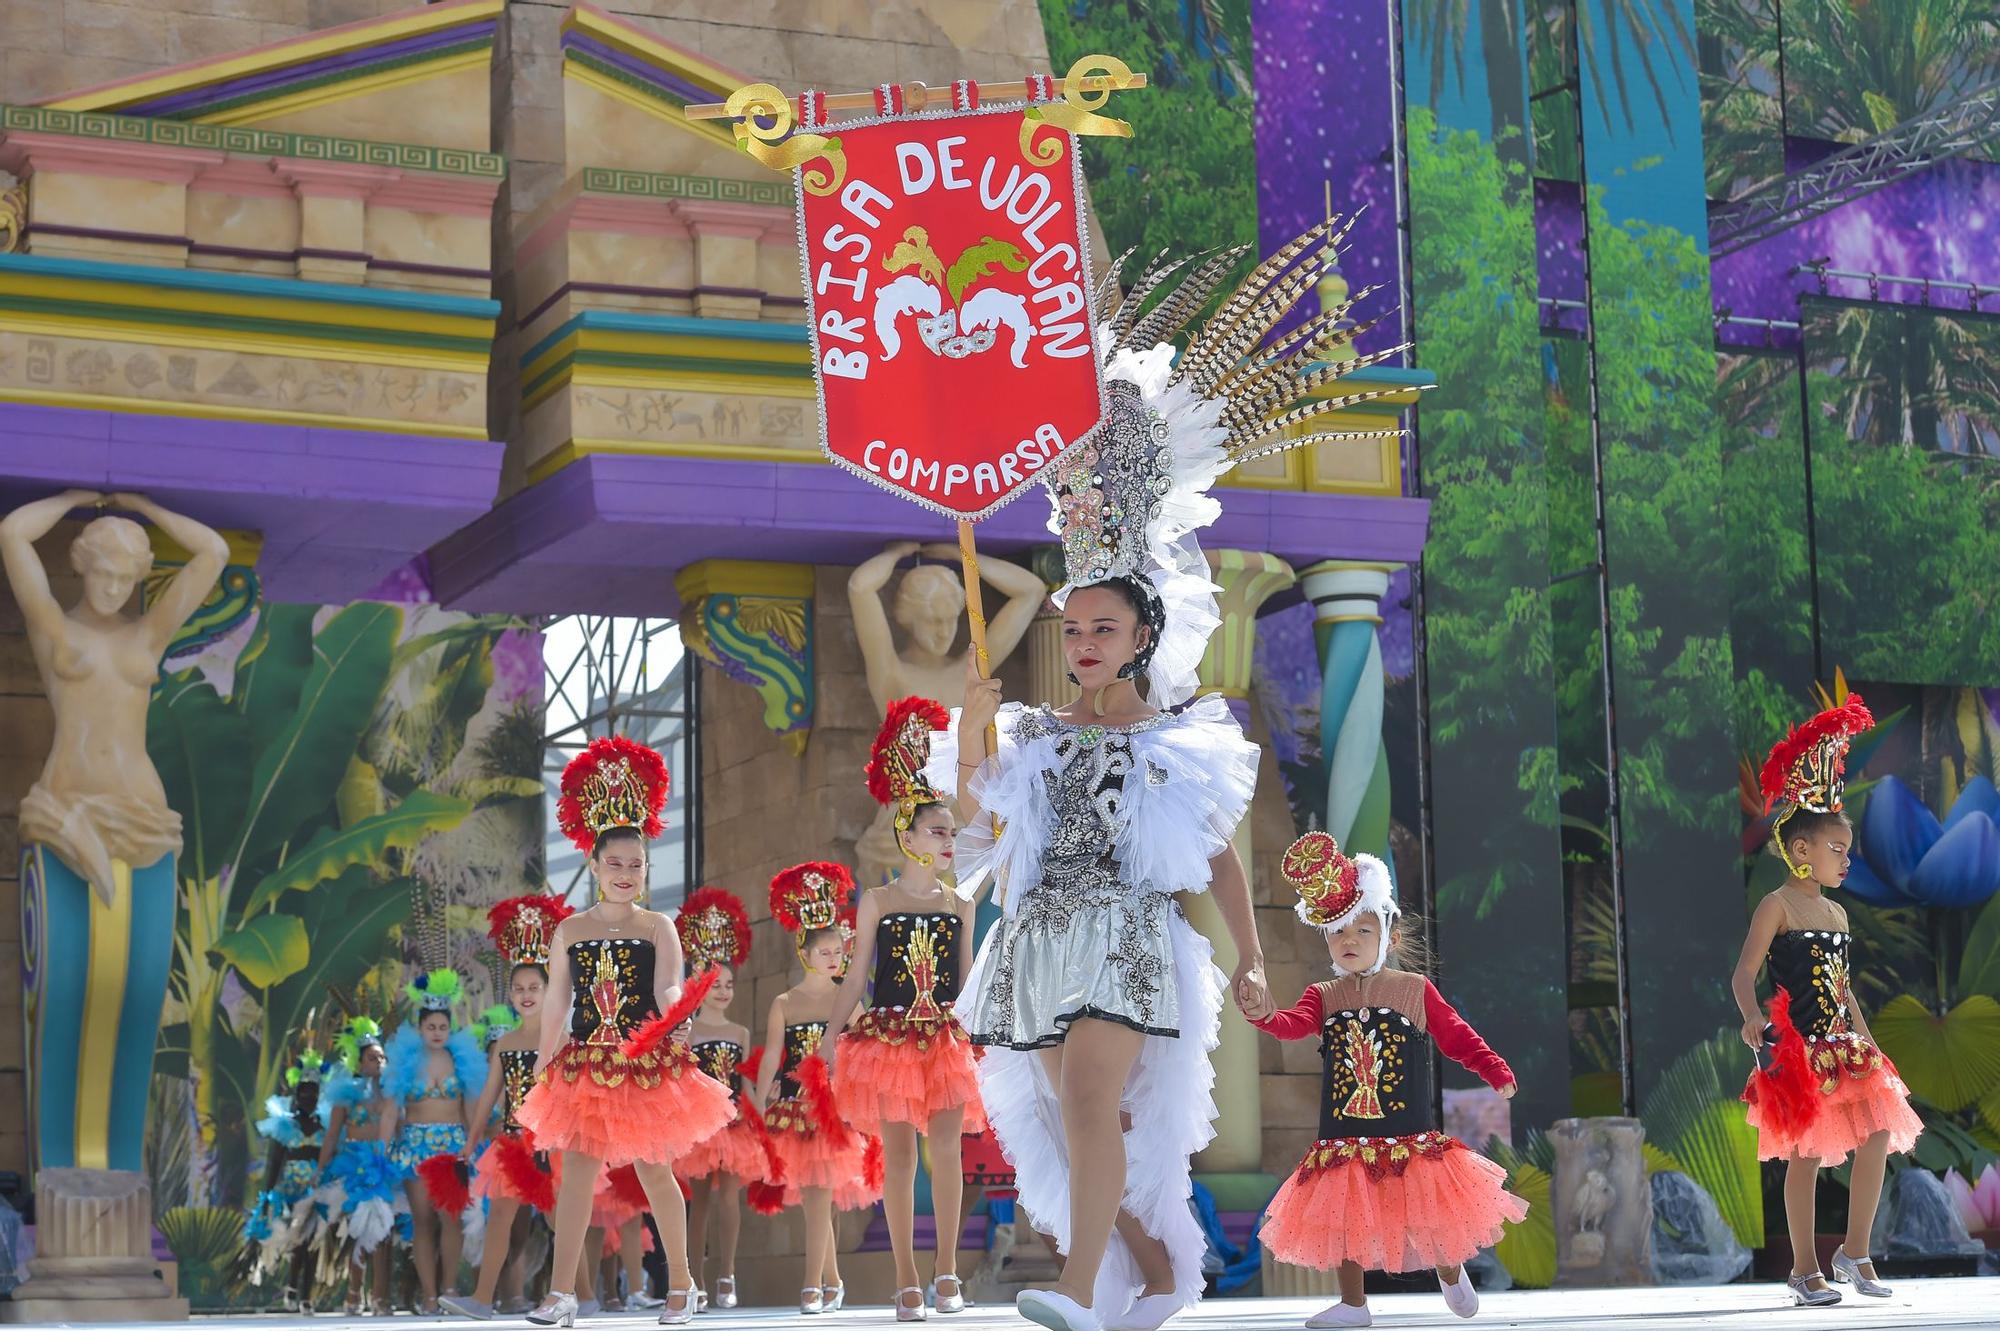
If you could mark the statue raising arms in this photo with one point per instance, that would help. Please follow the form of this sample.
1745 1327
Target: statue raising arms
929 604
98 837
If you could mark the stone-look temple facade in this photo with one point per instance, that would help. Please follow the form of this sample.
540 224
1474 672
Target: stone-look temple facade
362 282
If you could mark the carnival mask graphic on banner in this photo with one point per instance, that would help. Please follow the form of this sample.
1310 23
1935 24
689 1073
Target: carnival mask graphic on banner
947 288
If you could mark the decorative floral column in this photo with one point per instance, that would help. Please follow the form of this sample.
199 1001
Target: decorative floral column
753 622
1248 578
1346 598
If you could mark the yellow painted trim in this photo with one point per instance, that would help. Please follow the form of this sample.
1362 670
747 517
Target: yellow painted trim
670 115
562 456
206 411
748 385
103 1002
347 353
1344 565
694 344
407 24
722 80
252 113
244 546
83 291
1348 619
743 577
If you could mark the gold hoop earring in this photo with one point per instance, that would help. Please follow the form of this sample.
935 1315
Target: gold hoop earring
1802 871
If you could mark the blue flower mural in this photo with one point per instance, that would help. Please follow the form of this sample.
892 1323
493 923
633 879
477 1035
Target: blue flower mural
1906 857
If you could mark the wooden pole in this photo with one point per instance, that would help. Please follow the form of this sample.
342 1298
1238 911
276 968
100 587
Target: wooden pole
918 96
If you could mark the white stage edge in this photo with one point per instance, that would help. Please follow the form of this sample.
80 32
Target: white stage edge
1968 1303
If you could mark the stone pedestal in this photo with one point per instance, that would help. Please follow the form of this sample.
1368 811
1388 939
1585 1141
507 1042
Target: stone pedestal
1603 1206
93 1253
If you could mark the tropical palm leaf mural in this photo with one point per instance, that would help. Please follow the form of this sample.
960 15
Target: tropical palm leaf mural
1695 1118
1950 1060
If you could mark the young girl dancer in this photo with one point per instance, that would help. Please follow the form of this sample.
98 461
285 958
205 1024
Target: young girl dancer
1382 1188
1821 1089
511 1174
618 1090
435 1072
906 1066
715 934
361 1185
817 1153
283 1219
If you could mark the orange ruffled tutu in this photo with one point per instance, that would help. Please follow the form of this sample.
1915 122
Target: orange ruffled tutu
812 1158
1403 1204
737 1150
510 1169
594 1099
895 1070
1855 1094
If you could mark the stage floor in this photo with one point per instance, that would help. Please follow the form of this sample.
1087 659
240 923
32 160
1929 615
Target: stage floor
1917 1303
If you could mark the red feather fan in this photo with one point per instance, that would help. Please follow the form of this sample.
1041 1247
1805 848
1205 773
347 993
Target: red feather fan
816 1087
765 1198
747 1069
647 767
774 1165
654 1033
514 1157
1786 1090
881 774
804 884
626 1189
1850 718
872 1169
444 1178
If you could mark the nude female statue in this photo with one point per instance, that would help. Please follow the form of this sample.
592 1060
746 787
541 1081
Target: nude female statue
98 837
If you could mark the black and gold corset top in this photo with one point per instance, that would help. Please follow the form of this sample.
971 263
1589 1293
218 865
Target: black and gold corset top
718 1058
613 980
517 1078
1375 1078
916 963
1810 965
802 1041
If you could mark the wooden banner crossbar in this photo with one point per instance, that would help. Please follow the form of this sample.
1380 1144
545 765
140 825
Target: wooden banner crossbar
920 95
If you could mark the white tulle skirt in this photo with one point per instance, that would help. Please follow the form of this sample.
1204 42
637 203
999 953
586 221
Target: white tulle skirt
1169 1096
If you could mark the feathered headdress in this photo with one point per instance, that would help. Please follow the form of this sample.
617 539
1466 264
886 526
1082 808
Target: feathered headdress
714 929
813 896
523 927
494 1022
1127 506
1335 890
358 1034
1807 769
308 1067
434 991
896 764
615 782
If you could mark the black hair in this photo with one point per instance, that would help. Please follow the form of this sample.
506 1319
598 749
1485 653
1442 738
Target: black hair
1804 825
614 834
534 966
428 1013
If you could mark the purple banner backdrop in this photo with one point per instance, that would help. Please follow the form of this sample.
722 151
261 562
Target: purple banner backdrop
1326 114
1560 286
1943 225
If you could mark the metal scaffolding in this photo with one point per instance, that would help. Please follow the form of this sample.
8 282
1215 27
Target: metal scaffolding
610 675
1897 153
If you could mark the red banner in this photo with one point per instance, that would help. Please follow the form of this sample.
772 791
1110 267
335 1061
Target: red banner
947 283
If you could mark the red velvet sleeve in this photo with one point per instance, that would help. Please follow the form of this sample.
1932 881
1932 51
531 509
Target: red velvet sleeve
1460 1043
1298 1022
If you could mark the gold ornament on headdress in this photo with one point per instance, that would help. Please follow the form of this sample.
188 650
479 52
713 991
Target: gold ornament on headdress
1807 769
896 764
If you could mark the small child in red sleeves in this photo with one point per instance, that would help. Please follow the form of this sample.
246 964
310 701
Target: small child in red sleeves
1382 1188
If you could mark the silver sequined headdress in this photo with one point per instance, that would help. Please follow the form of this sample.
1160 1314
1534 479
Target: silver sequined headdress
1128 505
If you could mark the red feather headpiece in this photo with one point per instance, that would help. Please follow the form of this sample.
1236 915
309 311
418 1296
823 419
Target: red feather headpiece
714 928
615 782
811 896
1807 768
902 748
523 927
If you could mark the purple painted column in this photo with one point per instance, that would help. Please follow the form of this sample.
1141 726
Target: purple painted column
1326 111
